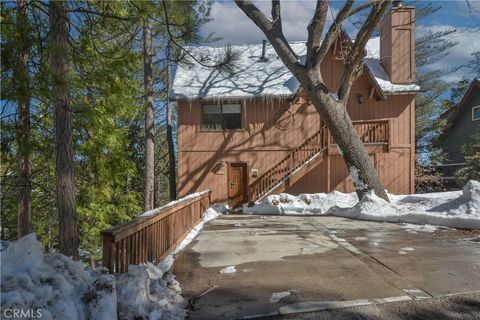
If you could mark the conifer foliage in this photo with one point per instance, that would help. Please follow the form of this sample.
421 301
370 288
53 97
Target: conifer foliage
73 143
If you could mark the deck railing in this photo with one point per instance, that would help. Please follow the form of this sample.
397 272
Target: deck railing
369 131
295 159
153 235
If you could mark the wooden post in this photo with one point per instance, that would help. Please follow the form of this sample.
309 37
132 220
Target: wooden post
108 252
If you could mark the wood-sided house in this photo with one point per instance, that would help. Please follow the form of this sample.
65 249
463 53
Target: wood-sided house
463 121
246 134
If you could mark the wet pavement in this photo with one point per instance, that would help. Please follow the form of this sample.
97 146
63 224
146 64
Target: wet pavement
314 264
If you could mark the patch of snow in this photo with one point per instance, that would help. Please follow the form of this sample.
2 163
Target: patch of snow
276 297
55 285
402 252
173 203
414 228
454 209
474 239
227 270
361 238
357 182
408 249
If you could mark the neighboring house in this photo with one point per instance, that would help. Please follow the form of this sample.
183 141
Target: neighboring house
249 133
463 121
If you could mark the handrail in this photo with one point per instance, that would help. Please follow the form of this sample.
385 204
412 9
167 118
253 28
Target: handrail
369 131
154 234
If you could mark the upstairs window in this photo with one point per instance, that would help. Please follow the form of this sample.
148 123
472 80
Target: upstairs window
476 113
221 117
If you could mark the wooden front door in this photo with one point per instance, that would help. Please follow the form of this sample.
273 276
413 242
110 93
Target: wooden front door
237 184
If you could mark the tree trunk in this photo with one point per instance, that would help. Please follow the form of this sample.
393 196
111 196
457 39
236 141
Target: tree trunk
149 125
24 220
335 116
333 112
171 146
66 201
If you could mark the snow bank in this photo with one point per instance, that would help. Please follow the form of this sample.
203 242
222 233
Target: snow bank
318 203
456 209
53 286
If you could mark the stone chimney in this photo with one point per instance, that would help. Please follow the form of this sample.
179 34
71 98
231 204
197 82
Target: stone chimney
397 43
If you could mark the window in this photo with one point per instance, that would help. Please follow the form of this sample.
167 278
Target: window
476 113
222 117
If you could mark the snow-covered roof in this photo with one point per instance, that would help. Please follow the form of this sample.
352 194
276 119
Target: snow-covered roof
253 77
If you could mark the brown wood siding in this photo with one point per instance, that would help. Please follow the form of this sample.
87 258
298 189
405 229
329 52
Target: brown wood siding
397 45
261 145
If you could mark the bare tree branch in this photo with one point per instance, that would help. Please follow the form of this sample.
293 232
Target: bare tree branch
315 30
354 61
361 8
276 16
273 32
332 34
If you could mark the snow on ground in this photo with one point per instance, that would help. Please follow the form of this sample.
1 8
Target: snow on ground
227 270
277 296
455 209
54 286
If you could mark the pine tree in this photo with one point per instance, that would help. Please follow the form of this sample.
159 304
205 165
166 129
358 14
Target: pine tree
430 48
64 167
471 170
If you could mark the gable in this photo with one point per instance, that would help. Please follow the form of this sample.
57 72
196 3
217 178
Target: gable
470 99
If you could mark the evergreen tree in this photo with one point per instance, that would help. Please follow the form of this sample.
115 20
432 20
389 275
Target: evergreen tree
471 170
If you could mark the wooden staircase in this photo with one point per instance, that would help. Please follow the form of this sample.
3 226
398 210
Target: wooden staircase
311 153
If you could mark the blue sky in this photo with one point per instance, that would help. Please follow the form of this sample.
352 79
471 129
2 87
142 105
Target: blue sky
231 24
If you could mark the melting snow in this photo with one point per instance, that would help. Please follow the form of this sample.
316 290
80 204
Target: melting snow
276 297
455 209
227 270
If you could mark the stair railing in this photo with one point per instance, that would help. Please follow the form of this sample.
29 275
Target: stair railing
369 131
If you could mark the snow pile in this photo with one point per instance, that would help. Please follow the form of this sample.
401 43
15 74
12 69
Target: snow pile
53 285
318 203
147 292
455 209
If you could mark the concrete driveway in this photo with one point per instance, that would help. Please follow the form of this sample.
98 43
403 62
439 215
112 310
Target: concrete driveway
286 266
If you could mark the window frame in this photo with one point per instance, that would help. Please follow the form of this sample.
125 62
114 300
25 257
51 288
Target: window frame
242 122
473 113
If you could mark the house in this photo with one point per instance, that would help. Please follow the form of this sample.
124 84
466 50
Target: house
248 133
463 121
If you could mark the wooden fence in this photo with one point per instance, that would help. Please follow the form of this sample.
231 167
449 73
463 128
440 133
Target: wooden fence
153 235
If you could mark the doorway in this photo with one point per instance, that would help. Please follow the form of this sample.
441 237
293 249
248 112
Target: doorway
237 184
